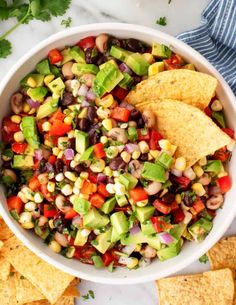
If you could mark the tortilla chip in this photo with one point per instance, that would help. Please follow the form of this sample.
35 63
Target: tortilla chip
61 301
1 244
211 287
191 87
7 292
72 290
5 232
50 281
5 268
187 127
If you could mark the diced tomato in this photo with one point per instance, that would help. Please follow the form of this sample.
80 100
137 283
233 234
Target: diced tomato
46 194
174 62
143 135
84 252
120 93
87 42
6 137
183 181
71 214
178 215
87 187
222 154
19 148
122 209
59 128
159 224
198 205
97 200
49 211
9 126
155 136
15 203
107 258
120 114
92 177
55 56
138 194
174 205
70 239
34 183
102 190
208 111
36 165
52 159
229 131
99 150
58 115
224 183
162 207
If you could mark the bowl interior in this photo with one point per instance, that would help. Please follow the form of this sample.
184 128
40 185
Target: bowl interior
191 251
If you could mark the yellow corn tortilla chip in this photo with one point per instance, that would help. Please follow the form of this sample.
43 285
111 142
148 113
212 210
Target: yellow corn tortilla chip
187 127
211 287
50 281
61 301
191 87
1 244
7 292
5 232
5 268
72 290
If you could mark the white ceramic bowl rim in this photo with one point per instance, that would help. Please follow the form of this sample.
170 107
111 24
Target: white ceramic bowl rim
177 263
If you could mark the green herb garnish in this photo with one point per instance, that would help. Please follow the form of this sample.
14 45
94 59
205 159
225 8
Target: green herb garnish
203 259
161 21
66 22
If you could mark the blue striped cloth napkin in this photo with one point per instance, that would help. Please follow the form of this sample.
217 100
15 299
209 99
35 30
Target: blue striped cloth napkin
215 39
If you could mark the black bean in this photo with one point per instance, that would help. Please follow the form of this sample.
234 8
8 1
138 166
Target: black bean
134 45
83 124
94 137
91 55
67 99
117 164
71 143
140 123
144 157
168 197
79 168
66 168
91 237
60 223
188 199
103 58
91 114
135 115
136 79
115 42
59 166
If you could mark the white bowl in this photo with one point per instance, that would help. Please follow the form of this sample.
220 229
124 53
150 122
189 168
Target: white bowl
191 251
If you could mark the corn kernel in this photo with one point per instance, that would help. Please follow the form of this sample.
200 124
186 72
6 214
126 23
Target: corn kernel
137 248
73 164
25 217
68 120
106 101
216 105
71 176
84 196
62 142
198 170
48 79
59 177
107 171
76 191
70 252
30 206
142 203
98 166
155 68
51 224
83 113
172 150
178 198
16 119
198 189
84 175
22 197
132 263
79 183
144 147
112 152
189 173
46 126
107 123
31 82
32 111
60 155
125 156
116 174
103 139
71 134
19 137
38 198
202 161
222 174
165 144
180 164
136 154
51 186
148 57
48 143
28 193
119 189
103 113
150 157
26 107
28 225
154 153
55 151
67 190
77 157
55 246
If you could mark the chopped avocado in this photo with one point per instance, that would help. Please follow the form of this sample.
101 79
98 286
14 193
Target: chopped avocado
132 134
77 54
106 79
120 222
37 77
98 262
137 63
153 172
119 53
66 56
140 238
29 130
103 241
161 51
112 61
155 68
144 213
121 200
57 86
81 205
164 160
95 220
37 94
126 81
200 229
128 181
43 67
147 228
47 108
55 71
81 141
80 69
23 162
80 239
169 252
115 236
87 154
214 166
108 205
189 67
219 117
177 231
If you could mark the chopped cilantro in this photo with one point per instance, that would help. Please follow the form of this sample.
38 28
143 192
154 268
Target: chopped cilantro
89 295
66 22
161 21
203 259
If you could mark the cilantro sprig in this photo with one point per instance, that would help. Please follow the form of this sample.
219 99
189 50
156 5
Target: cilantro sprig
24 12
161 21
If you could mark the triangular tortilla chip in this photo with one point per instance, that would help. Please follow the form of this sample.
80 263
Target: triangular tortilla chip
7 292
5 232
5 268
61 301
191 87
190 129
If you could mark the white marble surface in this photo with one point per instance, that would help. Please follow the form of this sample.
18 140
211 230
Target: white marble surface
181 15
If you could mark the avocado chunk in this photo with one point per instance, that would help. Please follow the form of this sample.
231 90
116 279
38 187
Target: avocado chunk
155 68
80 69
37 94
43 67
126 81
164 160
119 53
147 228
161 51
57 86
103 241
47 108
140 238
120 222
177 231
66 53
81 141
29 130
80 239
77 54
214 166
95 220
37 77
87 154
115 236
98 262
138 64
200 229
219 117
108 205
128 181
153 172
106 79
81 206
121 200
144 213
169 252
23 162
112 61
132 134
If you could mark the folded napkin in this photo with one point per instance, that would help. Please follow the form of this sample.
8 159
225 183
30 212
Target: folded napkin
215 39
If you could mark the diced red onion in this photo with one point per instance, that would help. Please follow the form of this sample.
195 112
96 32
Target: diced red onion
91 96
83 90
124 68
214 190
76 220
33 104
69 154
48 167
101 178
45 152
85 104
130 148
129 249
126 105
38 154
134 230
166 238
176 172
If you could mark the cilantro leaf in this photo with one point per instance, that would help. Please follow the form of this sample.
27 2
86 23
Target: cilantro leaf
43 16
203 259
66 22
5 48
3 3
162 21
55 7
4 10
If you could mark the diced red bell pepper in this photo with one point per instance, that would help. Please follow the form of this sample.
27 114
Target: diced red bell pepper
52 159
120 93
92 177
183 181
224 183
49 211
121 114
208 111
107 258
71 214
87 42
174 62
58 115
178 215
143 135
159 224
103 191
222 154
198 205
36 165
59 128
9 126
19 148
174 206
138 194
15 203
229 131
46 194
162 207
55 56
34 183
99 150
97 200
87 187
155 136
